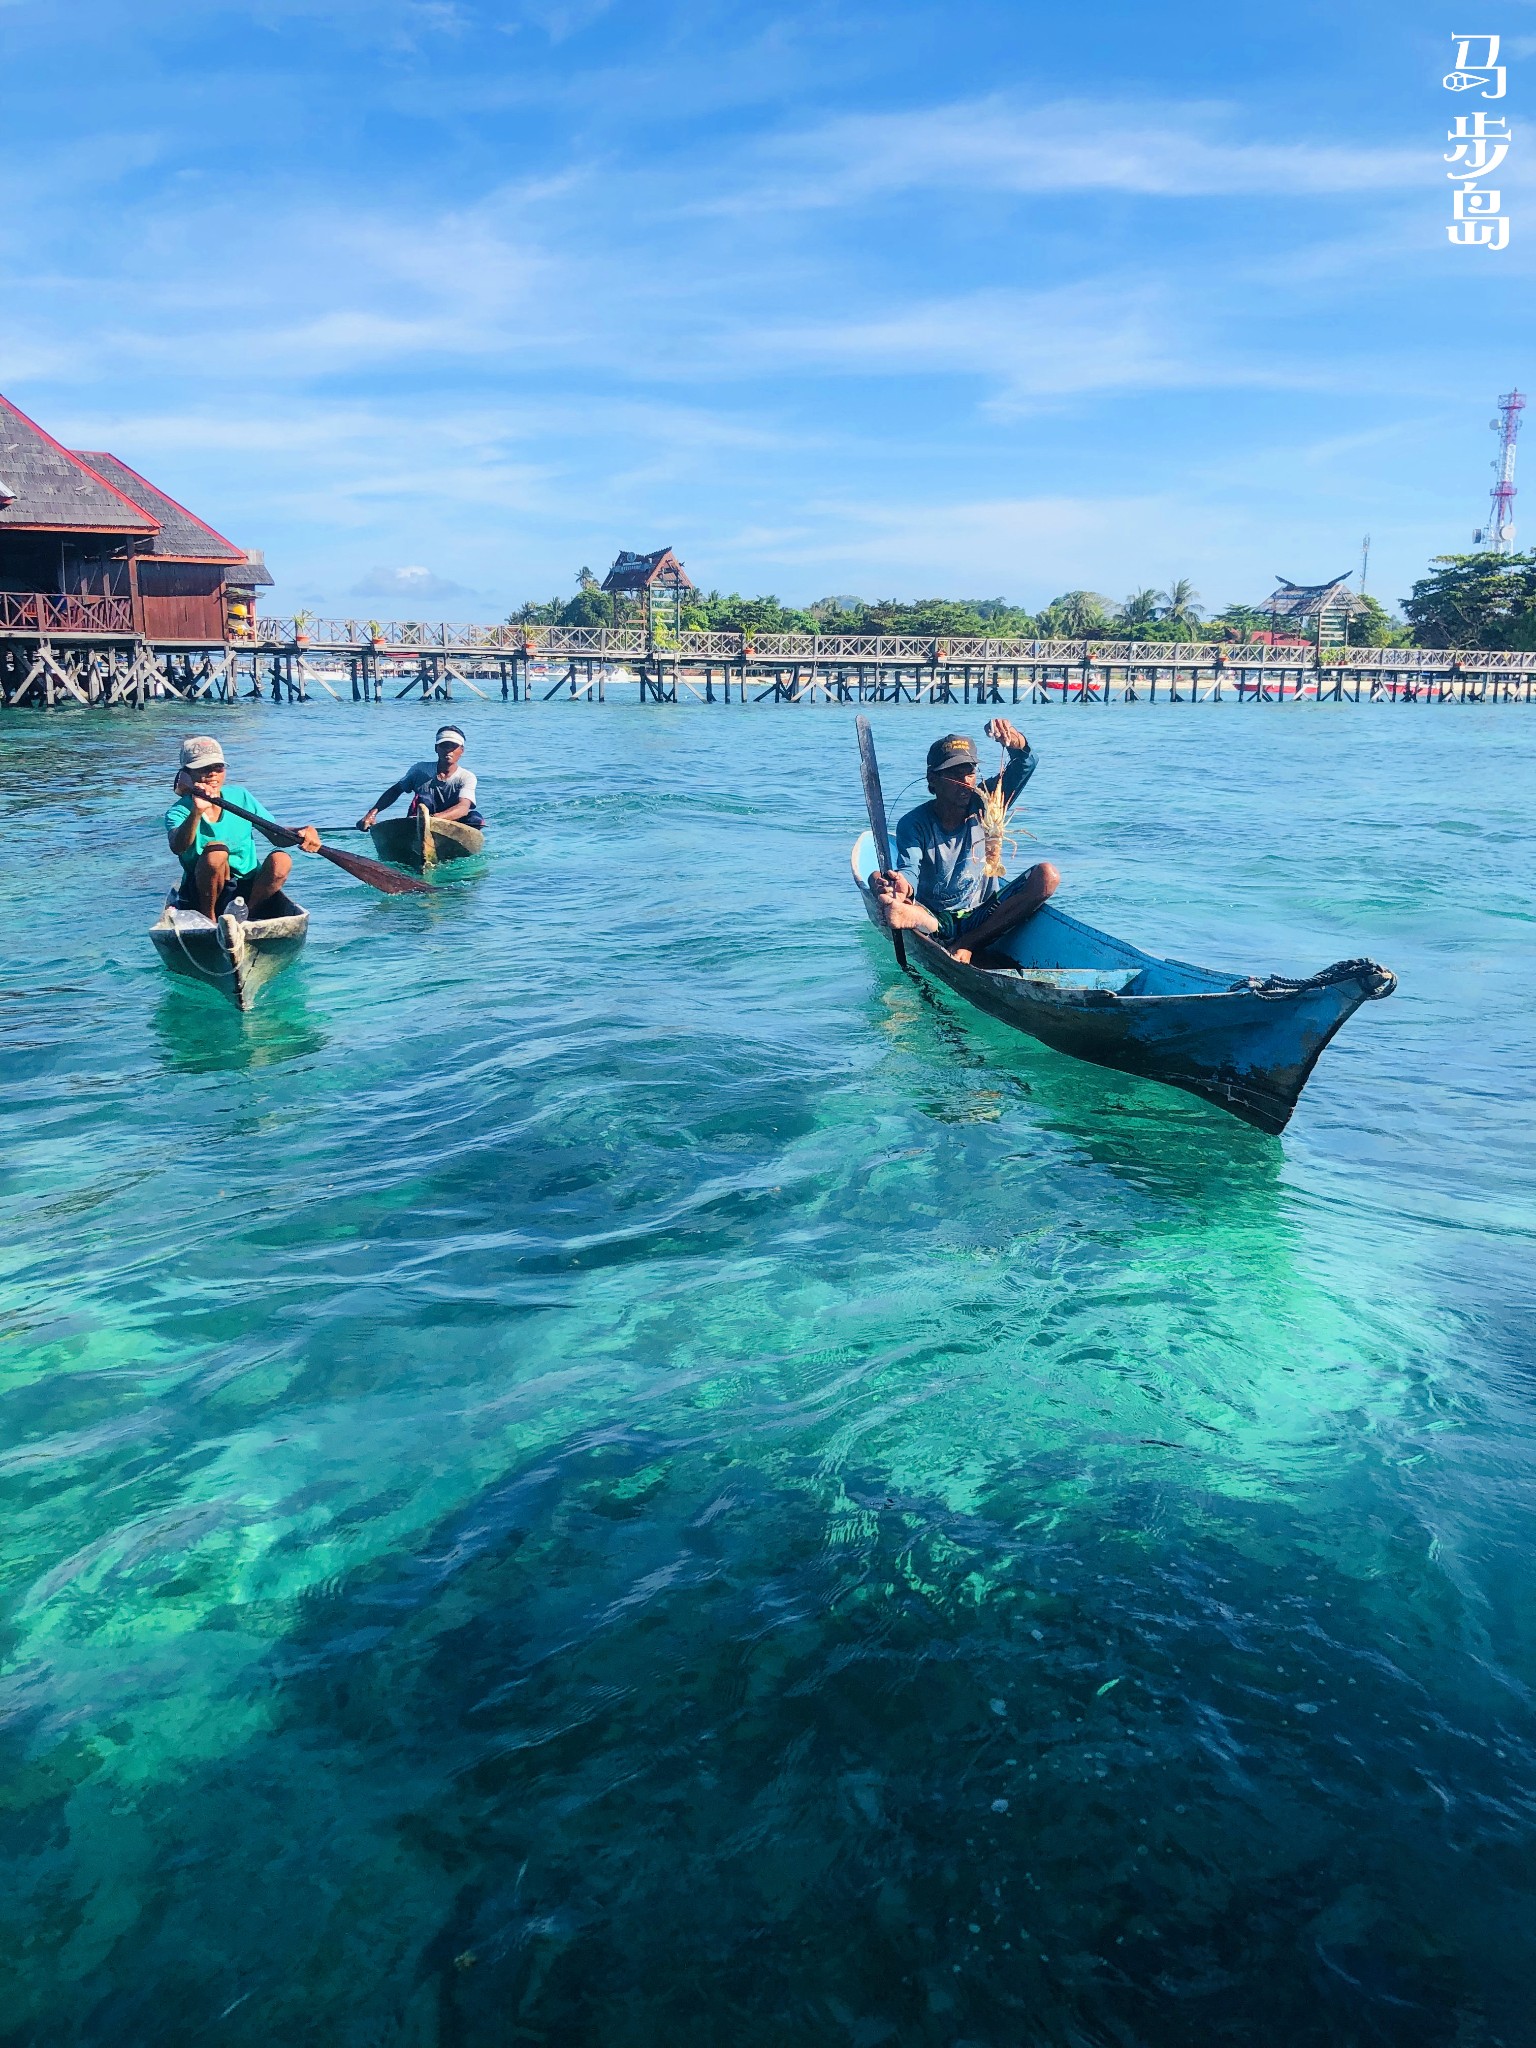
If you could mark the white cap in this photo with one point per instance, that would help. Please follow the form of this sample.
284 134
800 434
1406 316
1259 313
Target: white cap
201 752
450 734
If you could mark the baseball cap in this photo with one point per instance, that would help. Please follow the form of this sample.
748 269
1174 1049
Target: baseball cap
449 736
201 752
953 751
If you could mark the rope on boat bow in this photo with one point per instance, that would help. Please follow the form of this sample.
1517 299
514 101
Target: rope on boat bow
1375 981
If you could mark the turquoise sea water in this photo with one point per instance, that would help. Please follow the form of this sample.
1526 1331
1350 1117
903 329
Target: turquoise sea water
605 1469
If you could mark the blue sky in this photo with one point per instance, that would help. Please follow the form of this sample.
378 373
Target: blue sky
437 300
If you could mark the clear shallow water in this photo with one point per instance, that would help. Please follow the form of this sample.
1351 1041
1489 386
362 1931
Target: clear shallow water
604 1469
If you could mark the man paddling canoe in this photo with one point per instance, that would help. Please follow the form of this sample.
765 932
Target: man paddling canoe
443 786
220 864
938 885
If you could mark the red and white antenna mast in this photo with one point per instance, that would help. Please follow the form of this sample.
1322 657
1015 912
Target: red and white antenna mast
1499 534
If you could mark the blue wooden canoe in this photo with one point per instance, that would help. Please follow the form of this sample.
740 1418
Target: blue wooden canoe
1245 1044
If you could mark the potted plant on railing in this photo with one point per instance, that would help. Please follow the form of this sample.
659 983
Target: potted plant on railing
302 621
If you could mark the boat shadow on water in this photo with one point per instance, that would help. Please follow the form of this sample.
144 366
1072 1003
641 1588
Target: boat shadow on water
1170 1146
199 1032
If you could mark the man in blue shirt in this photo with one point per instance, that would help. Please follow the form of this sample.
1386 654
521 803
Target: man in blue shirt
938 885
221 865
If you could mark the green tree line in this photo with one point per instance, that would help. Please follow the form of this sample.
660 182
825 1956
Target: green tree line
1481 600
1473 600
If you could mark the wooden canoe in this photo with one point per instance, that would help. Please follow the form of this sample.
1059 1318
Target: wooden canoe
1246 1044
235 956
422 841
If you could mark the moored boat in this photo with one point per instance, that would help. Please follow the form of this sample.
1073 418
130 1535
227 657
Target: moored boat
422 841
1246 1044
236 956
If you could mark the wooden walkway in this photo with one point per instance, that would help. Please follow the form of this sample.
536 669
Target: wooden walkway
347 661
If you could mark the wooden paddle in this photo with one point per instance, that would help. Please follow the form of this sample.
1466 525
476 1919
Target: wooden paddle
874 803
373 872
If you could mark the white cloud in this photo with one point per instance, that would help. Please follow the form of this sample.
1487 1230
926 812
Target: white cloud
1044 347
1000 144
559 19
1045 344
409 584
1029 548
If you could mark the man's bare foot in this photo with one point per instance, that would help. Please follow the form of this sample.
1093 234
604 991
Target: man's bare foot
906 914
962 954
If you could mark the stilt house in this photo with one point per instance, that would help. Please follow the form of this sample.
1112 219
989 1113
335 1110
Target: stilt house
89 546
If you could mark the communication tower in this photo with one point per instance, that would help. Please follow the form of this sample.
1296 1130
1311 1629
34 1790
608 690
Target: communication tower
1499 534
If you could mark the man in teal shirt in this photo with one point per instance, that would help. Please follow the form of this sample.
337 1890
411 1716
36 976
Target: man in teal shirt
221 864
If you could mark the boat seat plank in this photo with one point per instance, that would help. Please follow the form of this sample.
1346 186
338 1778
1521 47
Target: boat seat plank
1115 981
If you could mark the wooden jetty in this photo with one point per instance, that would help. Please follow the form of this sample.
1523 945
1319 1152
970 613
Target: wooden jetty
83 649
112 593
524 663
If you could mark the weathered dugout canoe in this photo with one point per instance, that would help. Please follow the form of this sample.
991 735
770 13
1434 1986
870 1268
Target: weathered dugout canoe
422 841
236 956
1247 1045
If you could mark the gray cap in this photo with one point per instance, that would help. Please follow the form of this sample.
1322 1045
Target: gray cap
201 752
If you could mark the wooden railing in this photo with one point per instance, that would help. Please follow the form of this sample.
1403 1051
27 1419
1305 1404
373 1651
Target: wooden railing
42 611
629 643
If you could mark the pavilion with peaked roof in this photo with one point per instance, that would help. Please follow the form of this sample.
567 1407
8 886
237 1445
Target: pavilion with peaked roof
632 574
641 579
1324 610
87 544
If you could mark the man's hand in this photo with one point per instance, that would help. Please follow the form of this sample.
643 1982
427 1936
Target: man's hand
307 839
887 882
1006 735
202 799
366 820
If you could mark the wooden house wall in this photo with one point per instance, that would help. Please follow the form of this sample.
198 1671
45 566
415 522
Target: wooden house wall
181 600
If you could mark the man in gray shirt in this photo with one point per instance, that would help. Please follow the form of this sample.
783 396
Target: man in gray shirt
444 787
938 885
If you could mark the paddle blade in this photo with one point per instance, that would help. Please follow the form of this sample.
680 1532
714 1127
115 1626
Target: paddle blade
874 799
874 804
389 880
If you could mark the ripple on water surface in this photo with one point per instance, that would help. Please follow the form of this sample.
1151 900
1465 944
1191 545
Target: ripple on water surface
605 1469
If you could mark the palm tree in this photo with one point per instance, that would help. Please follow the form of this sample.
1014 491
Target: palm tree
1139 609
1181 604
1242 619
1077 612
